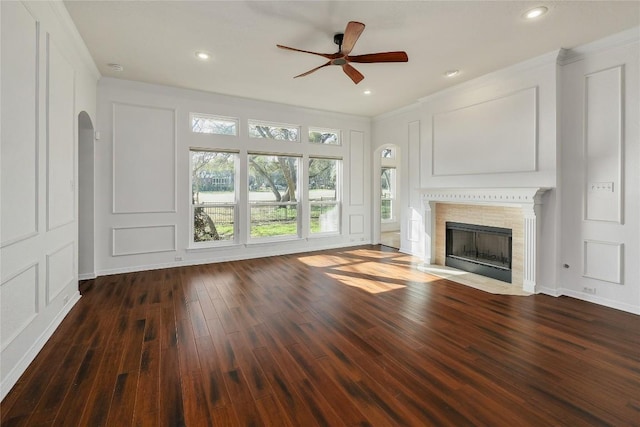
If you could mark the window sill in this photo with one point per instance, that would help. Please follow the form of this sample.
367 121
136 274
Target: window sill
208 247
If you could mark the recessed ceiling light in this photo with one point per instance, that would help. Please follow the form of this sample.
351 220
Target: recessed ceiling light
536 12
203 55
451 73
367 92
116 67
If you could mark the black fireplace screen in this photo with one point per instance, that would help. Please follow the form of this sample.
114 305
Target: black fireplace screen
479 249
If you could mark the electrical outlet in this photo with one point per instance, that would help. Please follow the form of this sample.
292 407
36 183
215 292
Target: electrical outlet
178 258
588 290
66 299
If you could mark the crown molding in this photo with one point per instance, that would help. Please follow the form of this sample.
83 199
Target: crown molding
578 53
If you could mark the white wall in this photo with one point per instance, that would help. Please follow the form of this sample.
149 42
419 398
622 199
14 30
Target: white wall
587 114
48 77
402 129
142 181
601 149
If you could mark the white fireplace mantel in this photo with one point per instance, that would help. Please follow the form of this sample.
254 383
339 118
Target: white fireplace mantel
527 198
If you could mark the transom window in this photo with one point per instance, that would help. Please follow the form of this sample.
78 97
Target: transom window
218 125
275 131
324 136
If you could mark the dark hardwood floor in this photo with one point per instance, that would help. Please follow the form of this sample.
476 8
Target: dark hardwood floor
343 337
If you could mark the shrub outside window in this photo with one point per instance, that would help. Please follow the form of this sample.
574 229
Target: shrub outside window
324 136
324 195
214 209
274 131
204 123
273 196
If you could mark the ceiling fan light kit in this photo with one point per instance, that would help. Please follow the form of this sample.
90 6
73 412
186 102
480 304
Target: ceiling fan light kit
346 41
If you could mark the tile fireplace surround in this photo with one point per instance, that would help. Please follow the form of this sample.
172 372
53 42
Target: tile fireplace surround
514 208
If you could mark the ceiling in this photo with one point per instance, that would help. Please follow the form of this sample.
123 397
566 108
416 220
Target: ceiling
156 41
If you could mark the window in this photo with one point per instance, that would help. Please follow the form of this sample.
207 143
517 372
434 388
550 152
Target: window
324 136
274 131
388 188
203 123
273 196
213 196
388 153
324 195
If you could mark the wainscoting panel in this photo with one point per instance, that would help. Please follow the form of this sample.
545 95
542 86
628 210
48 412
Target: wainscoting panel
60 270
603 145
18 303
356 169
356 224
603 261
144 159
144 239
60 139
20 35
499 135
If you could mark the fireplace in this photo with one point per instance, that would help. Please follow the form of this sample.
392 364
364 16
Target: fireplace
517 209
479 249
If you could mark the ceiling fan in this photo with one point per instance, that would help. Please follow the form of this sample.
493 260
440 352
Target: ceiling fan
345 42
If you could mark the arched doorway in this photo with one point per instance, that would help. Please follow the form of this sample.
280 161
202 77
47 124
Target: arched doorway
387 212
86 260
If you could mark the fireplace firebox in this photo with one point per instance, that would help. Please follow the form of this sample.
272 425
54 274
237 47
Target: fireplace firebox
479 249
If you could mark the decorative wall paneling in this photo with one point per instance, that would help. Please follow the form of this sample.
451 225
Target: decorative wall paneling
59 138
61 270
143 239
18 302
144 159
603 261
499 135
604 112
20 132
356 169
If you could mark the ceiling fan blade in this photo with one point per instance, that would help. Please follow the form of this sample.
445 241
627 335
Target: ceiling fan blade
353 74
380 57
351 35
311 71
324 55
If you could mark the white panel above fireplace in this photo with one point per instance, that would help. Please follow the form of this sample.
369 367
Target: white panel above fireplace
494 136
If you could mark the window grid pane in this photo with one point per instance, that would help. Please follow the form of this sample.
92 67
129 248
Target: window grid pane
202 123
274 131
213 196
273 219
324 136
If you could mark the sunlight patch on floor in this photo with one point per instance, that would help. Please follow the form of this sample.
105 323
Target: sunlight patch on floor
371 286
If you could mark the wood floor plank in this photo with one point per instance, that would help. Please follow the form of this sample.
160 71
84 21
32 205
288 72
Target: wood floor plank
354 336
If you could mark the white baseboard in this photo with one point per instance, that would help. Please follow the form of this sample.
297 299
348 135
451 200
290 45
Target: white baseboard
87 276
228 258
634 309
14 375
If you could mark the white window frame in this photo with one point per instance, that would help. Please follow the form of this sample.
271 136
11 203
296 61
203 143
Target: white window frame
337 202
392 199
298 203
235 205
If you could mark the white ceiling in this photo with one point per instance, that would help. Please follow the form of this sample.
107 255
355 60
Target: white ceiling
156 41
